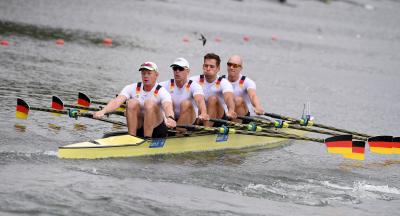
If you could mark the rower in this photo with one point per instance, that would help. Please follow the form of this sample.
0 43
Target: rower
145 99
218 91
244 89
187 95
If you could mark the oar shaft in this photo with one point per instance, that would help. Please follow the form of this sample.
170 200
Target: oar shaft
270 133
82 107
86 115
93 109
268 124
280 135
105 103
273 115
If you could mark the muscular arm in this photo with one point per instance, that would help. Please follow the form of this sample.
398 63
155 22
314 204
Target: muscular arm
199 99
168 109
201 103
111 106
255 101
230 103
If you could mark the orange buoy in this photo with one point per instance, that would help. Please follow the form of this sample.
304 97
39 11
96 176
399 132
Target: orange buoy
246 38
107 41
60 41
4 43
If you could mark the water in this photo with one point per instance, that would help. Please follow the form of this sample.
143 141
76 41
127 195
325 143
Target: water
342 57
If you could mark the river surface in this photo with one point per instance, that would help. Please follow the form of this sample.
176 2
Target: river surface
342 57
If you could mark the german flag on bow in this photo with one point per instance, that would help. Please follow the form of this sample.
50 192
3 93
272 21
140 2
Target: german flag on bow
56 103
341 144
22 109
396 145
83 100
381 144
358 151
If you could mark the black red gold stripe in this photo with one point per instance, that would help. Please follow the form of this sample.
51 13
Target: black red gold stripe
341 144
381 144
396 145
83 100
22 109
358 151
56 103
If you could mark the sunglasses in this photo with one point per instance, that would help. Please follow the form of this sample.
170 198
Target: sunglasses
233 65
177 68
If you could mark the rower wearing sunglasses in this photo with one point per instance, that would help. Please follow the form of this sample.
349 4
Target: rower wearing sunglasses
218 91
244 89
187 95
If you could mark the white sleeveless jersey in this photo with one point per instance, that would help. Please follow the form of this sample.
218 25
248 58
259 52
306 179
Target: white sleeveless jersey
240 88
158 94
218 87
187 92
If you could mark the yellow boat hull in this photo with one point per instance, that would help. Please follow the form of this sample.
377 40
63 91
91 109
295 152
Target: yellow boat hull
130 146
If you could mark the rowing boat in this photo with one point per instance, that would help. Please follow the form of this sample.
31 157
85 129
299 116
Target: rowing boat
130 146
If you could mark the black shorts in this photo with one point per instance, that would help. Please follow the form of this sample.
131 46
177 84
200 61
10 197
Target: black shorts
219 124
161 131
246 121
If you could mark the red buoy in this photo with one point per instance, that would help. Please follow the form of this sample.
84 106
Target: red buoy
107 41
60 42
246 38
4 43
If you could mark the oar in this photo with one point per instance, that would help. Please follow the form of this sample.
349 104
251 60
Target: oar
301 122
283 124
229 130
23 108
57 103
254 129
341 144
